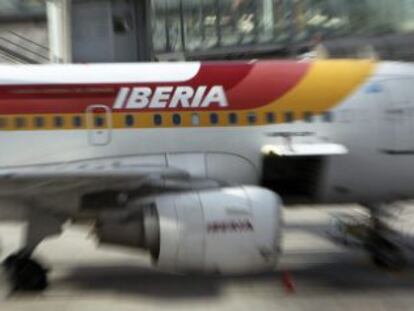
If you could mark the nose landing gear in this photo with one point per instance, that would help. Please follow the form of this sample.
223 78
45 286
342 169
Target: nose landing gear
372 233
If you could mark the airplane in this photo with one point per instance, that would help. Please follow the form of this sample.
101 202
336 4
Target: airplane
193 162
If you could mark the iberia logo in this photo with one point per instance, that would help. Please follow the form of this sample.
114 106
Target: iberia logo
169 97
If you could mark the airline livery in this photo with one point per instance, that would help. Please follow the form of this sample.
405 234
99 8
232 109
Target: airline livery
179 158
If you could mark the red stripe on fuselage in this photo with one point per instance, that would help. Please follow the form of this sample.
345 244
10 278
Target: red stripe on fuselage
247 85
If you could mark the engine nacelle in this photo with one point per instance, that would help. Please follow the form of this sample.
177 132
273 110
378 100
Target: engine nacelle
225 231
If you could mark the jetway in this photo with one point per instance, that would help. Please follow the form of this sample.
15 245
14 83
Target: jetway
99 30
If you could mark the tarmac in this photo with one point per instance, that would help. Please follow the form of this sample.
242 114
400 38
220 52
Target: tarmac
313 274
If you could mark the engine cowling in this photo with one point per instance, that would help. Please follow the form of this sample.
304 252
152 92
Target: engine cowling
225 231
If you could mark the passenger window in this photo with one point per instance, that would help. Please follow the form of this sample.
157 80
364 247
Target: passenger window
233 119
289 117
176 119
270 117
327 116
58 121
251 118
99 121
20 122
129 120
77 121
195 119
214 118
3 122
158 119
308 117
39 122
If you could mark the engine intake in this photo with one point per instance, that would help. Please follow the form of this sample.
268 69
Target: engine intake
225 231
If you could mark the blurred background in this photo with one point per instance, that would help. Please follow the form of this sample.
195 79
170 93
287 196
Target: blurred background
40 31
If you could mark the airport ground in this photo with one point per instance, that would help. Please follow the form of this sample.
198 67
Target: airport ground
314 274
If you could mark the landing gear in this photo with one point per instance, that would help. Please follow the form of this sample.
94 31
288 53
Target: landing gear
373 233
21 271
386 254
382 243
24 273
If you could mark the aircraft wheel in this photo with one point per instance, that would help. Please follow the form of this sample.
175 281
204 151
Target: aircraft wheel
25 274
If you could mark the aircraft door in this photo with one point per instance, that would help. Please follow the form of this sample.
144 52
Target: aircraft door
99 123
398 117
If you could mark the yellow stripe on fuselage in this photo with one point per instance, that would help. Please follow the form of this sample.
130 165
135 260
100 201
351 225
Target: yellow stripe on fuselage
324 87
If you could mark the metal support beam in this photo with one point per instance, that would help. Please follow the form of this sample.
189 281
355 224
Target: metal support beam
59 26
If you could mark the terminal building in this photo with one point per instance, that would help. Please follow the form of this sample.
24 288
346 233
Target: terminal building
34 31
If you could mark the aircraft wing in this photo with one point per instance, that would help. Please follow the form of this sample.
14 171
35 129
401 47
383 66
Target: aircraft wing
121 174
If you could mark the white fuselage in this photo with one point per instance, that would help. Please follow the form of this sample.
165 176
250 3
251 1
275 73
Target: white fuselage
375 123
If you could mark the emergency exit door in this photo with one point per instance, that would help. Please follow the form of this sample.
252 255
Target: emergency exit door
99 123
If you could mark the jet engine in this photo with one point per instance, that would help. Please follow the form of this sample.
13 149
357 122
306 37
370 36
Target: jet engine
224 231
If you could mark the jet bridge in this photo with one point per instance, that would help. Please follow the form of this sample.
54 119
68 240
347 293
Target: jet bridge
99 30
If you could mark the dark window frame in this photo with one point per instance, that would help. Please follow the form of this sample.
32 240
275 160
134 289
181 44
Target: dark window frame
77 121
177 119
214 118
233 118
308 116
20 122
289 117
129 120
99 121
271 117
157 119
58 122
3 123
39 122
251 118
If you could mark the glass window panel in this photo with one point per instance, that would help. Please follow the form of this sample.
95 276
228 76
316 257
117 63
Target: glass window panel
20 122
176 119
239 21
233 119
158 119
129 120
58 121
173 19
289 117
281 20
20 7
39 122
407 20
214 118
194 26
159 25
251 118
99 121
3 122
77 121
264 20
230 27
195 119
166 25
209 22
270 117
308 116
